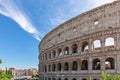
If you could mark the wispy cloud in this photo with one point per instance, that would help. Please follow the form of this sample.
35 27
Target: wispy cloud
73 8
10 9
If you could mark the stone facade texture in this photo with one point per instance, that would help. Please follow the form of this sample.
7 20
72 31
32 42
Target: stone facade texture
83 46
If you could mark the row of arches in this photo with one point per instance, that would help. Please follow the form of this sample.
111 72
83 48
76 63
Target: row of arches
63 79
96 45
96 65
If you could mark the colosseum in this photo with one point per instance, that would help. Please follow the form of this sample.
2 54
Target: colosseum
83 46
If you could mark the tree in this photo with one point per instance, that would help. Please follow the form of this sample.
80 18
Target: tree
0 61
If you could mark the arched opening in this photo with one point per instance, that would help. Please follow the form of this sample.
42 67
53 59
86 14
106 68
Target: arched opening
53 79
74 79
84 65
53 67
49 78
59 66
84 79
66 66
96 64
85 46
45 68
59 79
74 48
66 51
49 55
109 41
109 63
65 79
45 78
74 65
49 68
59 52
45 56
54 53
96 45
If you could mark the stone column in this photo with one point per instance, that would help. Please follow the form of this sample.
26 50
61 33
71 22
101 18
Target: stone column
90 64
117 42
102 63
79 48
103 43
90 45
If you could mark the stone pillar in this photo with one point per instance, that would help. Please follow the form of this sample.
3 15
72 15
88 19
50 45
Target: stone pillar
79 48
90 45
79 65
103 43
117 42
102 63
90 64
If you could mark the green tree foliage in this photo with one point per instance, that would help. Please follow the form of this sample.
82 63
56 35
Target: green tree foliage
0 61
106 76
4 76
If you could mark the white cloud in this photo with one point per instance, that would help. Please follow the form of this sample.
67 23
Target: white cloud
73 8
9 8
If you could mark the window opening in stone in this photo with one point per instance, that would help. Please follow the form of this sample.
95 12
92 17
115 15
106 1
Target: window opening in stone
66 51
45 68
66 66
96 45
96 64
54 53
74 66
59 78
74 79
53 79
53 67
84 65
109 63
84 79
49 78
49 55
65 79
49 68
60 52
96 22
46 56
74 48
84 46
59 66
109 41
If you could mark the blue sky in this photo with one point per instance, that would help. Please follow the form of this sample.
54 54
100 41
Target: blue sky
23 23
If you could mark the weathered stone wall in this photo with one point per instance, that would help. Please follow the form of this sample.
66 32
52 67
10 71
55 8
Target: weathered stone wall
73 36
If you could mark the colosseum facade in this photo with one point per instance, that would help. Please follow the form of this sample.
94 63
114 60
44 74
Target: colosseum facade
83 46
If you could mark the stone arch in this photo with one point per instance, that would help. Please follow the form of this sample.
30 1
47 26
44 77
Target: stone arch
110 63
96 44
53 67
45 68
53 78
74 48
49 68
66 50
74 79
109 41
84 65
85 46
54 53
50 55
59 52
49 78
66 66
59 79
74 65
96 64
59 66
84 79
66 79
